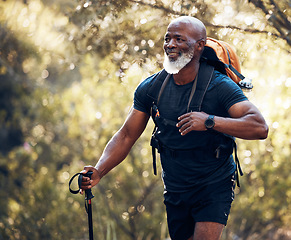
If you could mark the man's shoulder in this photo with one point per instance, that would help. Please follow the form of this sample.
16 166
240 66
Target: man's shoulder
147 82
221 79
142 101
220 76
146 85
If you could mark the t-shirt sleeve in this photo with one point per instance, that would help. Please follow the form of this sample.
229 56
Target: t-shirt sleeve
142 101
229 93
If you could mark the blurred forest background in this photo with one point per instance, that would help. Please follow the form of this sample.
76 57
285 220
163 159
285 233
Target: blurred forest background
68 71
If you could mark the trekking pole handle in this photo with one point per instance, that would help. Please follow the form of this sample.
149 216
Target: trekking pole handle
88 192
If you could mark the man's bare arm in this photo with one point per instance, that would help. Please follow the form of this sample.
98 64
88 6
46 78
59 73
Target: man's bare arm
245 122
120 144
118 147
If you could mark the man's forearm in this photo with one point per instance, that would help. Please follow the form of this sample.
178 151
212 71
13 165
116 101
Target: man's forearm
249 127
114 153
120 144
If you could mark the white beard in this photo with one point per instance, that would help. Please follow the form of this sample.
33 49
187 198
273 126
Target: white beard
173 67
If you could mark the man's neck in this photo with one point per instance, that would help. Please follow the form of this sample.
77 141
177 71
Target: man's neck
187 74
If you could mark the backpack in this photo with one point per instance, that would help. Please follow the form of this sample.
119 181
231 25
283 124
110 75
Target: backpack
217 55
224 58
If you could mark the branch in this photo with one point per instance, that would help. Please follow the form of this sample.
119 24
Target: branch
285 22
282 25
159 6
250 30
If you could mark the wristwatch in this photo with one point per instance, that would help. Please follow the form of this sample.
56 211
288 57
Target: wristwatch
209 122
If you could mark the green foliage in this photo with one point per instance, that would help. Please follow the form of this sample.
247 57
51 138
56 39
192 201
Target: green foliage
68 71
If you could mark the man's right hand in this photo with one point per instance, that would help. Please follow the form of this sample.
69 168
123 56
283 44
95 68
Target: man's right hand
88 183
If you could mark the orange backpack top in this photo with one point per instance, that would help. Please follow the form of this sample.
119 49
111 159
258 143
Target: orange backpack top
226 61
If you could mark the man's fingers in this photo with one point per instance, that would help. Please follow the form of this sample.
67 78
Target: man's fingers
185 130
184 126
184 116
86 182
183 121
193 121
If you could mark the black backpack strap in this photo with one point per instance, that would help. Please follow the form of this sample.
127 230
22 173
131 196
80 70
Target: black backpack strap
238 170
155 145
155 92
205 75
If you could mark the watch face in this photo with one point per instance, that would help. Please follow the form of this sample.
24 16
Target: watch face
209 123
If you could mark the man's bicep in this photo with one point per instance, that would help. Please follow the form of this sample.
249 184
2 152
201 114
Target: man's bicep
242 109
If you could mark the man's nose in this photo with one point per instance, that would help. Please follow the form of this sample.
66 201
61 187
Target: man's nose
172 43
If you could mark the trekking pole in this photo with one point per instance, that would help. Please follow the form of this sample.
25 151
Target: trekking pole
88 197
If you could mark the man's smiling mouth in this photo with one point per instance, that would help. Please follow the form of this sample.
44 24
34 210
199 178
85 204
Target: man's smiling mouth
173 54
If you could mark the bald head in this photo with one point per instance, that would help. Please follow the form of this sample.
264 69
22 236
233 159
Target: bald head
193 24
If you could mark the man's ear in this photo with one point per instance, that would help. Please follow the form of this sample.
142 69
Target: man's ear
201 43
200 46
